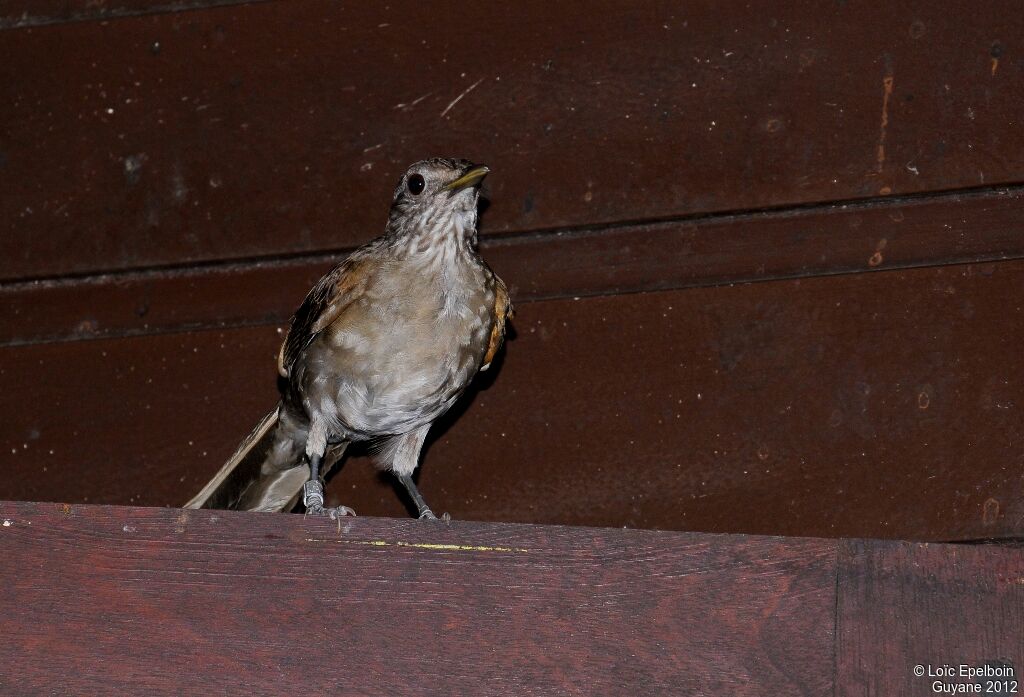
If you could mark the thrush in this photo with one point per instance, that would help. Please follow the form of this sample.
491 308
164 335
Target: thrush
382 346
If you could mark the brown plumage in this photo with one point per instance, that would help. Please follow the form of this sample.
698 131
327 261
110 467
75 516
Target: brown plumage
381 347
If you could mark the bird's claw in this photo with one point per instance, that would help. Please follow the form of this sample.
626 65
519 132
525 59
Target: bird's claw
335 513
428 514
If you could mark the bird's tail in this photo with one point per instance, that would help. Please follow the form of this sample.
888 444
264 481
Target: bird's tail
268 469
265 473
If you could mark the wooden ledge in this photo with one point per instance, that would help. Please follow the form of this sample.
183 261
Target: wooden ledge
113 600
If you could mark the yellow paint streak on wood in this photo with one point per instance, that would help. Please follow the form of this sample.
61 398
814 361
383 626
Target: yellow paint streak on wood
426 545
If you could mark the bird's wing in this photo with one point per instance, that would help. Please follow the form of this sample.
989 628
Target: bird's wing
503 311
334 292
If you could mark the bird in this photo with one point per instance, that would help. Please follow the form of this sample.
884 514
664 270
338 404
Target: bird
383 345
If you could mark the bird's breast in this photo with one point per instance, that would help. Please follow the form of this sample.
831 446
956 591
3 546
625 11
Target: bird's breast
400 355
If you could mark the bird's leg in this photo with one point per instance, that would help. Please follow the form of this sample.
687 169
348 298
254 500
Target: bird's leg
414 493
313 490
313 493
400 454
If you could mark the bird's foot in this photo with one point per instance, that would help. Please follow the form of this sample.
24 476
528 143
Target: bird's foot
421 505
335 513
428 514
313 500
332 513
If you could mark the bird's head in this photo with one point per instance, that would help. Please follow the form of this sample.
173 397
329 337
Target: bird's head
437 198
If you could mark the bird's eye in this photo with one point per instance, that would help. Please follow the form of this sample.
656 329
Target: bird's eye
416 184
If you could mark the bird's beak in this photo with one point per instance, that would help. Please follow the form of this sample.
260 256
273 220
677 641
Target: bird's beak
472 177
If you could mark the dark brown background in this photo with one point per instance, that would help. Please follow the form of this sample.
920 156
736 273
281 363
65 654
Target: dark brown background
767 263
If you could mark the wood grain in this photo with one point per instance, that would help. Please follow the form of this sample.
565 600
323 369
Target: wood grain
15 14
879 404
905 605
119 600
714 250
252 131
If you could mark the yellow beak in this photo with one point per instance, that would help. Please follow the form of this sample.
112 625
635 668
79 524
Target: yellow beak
474 175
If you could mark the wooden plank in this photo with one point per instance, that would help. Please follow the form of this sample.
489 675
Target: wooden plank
715 250
181 137
111 600
932 608
880 405
33 13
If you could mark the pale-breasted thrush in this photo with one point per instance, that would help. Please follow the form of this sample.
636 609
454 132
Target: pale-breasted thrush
381 347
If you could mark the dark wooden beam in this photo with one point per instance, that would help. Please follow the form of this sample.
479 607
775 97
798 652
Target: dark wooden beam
116 600
236 132
904 609
881 404
126 600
